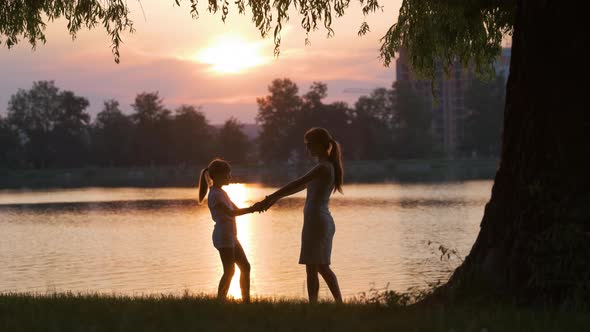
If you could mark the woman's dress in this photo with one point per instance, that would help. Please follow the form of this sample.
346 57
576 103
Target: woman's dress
318 225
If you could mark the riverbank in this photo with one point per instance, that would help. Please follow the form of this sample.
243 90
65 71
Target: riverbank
422 170
69 312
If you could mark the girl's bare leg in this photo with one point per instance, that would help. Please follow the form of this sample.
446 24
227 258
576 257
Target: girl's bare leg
330 278
228 260
242 262
313 283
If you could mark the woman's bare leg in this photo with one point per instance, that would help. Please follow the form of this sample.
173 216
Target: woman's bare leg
330 278
313 283
242 262
228 260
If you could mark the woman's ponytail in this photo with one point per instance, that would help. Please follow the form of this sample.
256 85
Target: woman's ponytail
203 184
336 159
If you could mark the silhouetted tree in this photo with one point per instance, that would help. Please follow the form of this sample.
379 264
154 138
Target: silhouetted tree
277 115
312 99
533 243
413 121
333 117
285 117
30 112
312 113
69 137
192 136
373 121
233 144
10 146
365 132
112 132
379 105
52 124
152 137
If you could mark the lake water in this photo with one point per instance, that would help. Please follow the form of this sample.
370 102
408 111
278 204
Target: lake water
145 241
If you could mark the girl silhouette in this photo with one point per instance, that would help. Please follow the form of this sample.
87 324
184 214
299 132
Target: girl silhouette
224 212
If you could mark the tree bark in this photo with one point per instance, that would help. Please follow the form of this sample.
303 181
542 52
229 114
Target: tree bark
534 242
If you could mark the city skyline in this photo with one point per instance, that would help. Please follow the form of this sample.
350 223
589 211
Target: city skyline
447 107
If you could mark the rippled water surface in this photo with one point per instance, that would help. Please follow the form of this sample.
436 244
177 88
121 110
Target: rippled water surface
141 241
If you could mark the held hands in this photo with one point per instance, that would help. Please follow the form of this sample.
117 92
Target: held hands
257 207
263 205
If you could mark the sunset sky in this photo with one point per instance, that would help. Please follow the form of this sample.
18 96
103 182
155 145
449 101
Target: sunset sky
186 60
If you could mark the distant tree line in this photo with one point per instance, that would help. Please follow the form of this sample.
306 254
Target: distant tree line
394 123
46 127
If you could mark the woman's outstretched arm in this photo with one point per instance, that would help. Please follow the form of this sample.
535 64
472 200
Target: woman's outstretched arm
296 185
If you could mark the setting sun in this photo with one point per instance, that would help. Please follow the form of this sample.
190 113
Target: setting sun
231 55
237 192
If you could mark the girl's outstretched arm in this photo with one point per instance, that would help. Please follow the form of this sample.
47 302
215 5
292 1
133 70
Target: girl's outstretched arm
233 212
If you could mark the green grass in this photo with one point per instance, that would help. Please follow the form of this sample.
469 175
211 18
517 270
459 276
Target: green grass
94 312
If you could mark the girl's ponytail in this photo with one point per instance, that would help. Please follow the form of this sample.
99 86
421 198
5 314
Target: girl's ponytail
336 159
216 167
203 184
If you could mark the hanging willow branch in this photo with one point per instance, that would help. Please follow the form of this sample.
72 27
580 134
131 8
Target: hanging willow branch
27 19
432 31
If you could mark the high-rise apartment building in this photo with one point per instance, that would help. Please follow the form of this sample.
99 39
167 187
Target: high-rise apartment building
447 104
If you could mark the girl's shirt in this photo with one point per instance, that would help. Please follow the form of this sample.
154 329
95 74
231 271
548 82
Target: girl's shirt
223 221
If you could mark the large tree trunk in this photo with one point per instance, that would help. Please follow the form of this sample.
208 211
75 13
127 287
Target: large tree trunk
534 242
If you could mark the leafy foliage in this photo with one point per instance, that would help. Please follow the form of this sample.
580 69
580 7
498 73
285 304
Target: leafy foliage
413 121
152 126
9 144
388 123
313 13
435 32
233 143
373 118
111 136
51 123
28 19
47 128
277 115
385 297
190 134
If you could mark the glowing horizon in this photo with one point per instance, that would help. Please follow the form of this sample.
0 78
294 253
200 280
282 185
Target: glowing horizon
222 59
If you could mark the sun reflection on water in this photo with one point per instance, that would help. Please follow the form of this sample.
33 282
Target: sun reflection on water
133 241
241 195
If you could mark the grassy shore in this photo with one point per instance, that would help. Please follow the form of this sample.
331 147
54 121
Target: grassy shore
83 312
186 176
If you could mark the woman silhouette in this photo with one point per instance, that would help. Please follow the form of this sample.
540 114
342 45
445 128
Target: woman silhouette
318 226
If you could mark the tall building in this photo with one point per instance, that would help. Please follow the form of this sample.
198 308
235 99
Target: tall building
447 103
